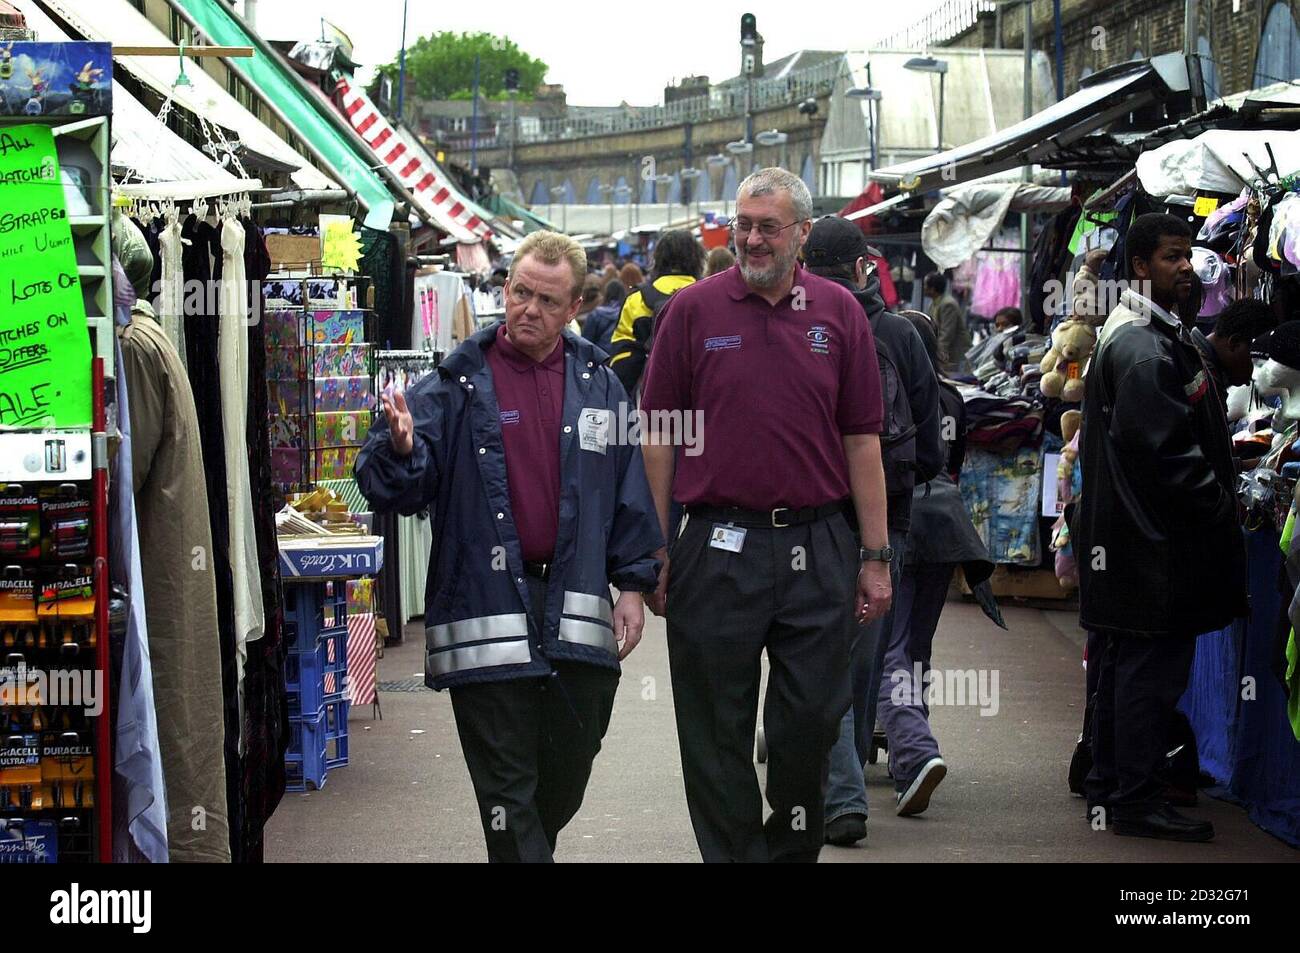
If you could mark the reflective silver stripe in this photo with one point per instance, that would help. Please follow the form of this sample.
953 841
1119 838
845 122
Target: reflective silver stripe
510 625
588 633
480 656
593 607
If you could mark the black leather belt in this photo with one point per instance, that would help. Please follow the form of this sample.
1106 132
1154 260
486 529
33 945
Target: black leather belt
778 517
538 570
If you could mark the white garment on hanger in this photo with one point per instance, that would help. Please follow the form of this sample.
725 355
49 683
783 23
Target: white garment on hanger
172 302
233 361
449 287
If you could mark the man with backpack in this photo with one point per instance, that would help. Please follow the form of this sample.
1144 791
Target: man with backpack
678 262
912 453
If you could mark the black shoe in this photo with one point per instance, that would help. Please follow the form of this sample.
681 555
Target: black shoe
1164 823
846 830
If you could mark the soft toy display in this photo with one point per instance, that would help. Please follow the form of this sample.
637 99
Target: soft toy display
1062 366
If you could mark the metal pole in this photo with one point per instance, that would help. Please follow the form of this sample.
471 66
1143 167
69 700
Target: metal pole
942 77
401 69
1060 50
473 131
1026 174
1195 78
513 127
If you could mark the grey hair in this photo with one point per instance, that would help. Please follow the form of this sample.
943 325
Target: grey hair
769 180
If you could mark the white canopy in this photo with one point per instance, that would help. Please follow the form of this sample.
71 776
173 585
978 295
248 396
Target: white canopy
119 22
969 215
1215 161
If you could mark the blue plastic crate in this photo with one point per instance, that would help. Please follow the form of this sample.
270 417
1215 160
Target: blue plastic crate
304 676
305 762
313 609
335 720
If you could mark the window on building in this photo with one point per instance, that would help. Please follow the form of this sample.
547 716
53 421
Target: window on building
540 194
594 196
1278 58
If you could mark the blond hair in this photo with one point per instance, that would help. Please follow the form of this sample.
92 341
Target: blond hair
551 248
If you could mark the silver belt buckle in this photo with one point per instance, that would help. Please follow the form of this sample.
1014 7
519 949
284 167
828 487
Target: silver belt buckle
776 524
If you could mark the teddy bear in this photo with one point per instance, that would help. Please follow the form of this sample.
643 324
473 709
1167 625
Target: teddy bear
1072 343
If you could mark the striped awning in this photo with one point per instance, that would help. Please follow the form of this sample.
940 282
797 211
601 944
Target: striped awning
422 177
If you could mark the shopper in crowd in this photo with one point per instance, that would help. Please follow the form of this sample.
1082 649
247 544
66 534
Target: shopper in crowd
1162 557
941 538
719 259
954 337
780 367
678 262
1228 347
590 299
600 324
536 512
912 453
631 275
1007 319
608 274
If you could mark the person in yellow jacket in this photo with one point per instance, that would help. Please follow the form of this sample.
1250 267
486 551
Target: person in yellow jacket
678 262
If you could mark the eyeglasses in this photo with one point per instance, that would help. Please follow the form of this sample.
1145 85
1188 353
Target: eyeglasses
767 229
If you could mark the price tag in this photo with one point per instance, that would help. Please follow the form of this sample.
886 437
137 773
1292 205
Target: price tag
1204 206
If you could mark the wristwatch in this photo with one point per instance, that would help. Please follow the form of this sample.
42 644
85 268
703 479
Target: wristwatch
885 555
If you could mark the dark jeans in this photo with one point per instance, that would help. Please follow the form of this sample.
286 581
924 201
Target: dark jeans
1139 683
529 745
790 590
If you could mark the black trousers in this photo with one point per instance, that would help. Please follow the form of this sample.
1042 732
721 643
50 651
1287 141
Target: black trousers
789 590
529 745
1139 683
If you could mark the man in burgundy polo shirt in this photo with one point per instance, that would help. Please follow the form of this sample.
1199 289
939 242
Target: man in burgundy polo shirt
781 369
537 509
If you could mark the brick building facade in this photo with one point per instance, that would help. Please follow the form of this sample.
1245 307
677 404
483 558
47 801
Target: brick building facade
1101 33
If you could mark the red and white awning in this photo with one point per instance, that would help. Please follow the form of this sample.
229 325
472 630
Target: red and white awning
421 177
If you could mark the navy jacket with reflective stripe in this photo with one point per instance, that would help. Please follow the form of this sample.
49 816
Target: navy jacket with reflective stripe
477 621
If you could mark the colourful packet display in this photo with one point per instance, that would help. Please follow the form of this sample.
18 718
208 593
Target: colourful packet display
343 393
65 523
18 594
338 327
343 429
335 464
341 360
67 592
282 327
20 523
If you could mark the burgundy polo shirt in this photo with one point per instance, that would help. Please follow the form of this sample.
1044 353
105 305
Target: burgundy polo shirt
778 387
530 396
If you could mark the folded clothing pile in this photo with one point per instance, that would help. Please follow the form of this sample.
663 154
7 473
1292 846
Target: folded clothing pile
1001 422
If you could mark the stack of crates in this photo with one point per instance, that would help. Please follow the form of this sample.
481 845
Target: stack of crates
316 630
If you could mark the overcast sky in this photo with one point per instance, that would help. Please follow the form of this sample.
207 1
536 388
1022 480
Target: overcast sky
628 53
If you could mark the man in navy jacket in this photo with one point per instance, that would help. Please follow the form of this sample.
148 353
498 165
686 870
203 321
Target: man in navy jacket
537 508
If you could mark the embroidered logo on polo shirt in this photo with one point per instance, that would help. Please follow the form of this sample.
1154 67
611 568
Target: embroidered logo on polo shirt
509 417
819 339
729 342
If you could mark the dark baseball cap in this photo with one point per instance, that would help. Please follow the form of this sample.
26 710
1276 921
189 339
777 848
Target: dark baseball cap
835 241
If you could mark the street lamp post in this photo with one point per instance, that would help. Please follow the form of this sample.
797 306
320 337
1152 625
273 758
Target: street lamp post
739 148
608 191
873 96
692 175
928 64
557 192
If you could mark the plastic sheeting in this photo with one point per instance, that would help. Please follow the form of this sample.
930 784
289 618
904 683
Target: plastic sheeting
967 217
1215 161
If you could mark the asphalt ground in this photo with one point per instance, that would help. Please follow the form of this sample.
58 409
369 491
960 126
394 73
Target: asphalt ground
406 795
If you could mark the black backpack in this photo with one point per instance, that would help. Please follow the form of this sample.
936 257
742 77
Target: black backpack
654 300
898 438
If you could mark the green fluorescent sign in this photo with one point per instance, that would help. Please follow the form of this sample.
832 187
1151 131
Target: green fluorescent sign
44 342
303 115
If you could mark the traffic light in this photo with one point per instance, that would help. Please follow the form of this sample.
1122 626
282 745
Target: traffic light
748 29
512 80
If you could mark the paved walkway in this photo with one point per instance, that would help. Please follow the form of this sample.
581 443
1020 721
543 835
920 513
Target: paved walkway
406 795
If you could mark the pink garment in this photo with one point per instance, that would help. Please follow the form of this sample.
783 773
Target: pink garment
996 287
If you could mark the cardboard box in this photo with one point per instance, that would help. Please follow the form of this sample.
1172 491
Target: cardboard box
1010 582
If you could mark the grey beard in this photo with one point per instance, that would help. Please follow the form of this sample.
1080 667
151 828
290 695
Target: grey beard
769 277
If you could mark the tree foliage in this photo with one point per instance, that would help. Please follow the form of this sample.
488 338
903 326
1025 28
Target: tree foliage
441 66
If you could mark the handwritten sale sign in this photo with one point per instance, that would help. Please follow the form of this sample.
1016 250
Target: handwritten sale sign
44 343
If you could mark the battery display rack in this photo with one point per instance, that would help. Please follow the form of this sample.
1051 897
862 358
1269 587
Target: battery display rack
52 687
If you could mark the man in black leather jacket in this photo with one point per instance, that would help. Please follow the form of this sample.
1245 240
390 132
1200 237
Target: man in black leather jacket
1162 558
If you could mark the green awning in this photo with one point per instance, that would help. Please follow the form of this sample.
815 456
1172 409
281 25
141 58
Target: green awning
499 205
281 86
